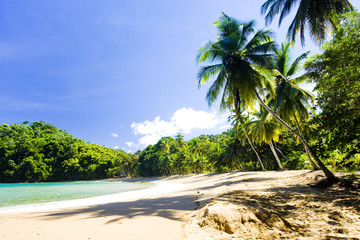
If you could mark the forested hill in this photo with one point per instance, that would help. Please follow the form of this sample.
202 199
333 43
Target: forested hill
42 152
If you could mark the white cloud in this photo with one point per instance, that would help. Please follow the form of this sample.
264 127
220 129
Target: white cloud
116 147
149 139
184 120
130 144
156 126
114 134
187 119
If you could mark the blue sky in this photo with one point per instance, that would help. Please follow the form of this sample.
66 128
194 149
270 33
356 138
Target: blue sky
114 72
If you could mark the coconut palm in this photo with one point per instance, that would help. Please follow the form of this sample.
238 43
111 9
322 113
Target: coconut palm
238 46
238 51
180 140
240 121
318 16
291 102
265 129
241 54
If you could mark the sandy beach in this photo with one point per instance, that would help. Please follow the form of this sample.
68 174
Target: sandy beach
238 205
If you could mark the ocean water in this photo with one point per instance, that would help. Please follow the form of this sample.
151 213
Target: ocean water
25 194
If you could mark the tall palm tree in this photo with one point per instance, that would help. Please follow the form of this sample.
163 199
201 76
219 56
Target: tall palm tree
238 45
318 16
241 55
291 102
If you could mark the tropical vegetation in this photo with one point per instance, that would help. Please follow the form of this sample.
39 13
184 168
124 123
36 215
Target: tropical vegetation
317 16
244 55
336 73
42 152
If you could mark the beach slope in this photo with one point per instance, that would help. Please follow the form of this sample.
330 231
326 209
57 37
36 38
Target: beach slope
192 211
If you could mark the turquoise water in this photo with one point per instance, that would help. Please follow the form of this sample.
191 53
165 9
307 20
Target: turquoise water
12 194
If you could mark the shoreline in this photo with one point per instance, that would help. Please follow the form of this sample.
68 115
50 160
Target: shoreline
160 187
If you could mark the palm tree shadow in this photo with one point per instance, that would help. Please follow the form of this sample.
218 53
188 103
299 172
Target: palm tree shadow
166 207
286 201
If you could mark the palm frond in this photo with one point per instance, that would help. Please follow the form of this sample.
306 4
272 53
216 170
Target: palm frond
246 30
274 9
300 79
207 72
286 8
209 52
258 46
295 66
282 57
227 25
266 78
216 87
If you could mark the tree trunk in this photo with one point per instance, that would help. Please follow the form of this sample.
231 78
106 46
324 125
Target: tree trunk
276 156
281 152
316 167
330 176
237 113
258 157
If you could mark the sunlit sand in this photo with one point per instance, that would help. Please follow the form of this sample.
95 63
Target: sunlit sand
185 207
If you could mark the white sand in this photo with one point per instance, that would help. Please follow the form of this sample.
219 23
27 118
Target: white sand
169 213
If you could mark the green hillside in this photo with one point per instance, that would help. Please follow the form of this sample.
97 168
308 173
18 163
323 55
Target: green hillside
42 152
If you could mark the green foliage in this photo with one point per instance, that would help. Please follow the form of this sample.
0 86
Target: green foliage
237 57
346 159
214 153
316 16
336 72
42 152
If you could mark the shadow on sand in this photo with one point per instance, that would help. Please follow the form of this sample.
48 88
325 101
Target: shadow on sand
277 198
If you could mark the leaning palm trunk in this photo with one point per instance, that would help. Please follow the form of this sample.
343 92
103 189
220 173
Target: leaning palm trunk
271 144
281 153
330 176
316 167
237 109
253 148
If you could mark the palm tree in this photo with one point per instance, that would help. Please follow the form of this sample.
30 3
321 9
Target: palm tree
291 102
233 49
265 129
240 121
318 16
231 153
180 139
237 57
241 54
